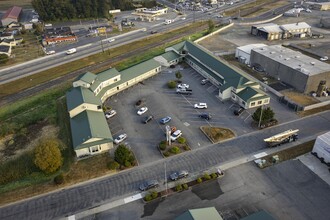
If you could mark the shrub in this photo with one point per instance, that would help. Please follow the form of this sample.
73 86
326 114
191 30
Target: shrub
213 175
175 150
178 75
185 147
127 164
185 186
59 179
154 195
123 154
199 180
148 198
162 145
113 165
181 140
178 187
171 84
47 156
166 154
207 176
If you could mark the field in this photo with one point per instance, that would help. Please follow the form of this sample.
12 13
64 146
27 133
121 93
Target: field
216 134
253 7
5 4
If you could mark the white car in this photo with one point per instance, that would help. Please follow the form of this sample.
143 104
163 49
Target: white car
325 58
110 114
71 51
142 110
120 138
200 105
183 86
111 40
50 52
176 135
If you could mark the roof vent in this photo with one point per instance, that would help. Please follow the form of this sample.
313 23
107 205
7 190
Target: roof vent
312 63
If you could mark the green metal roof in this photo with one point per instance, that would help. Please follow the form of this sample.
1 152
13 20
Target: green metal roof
131 73
170 55
209 213
261 215
178 47
248 94
104 76
79 95
89 124
87 77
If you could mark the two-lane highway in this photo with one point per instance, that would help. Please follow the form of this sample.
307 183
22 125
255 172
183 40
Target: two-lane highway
93 193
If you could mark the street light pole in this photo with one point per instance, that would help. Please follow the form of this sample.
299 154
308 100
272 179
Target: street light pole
260 116
165 179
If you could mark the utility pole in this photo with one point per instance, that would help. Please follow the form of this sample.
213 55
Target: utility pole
165 177
260 116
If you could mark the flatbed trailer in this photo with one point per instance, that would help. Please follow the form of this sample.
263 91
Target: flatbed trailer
282 138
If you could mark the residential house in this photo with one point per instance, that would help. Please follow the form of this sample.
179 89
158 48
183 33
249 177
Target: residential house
11 15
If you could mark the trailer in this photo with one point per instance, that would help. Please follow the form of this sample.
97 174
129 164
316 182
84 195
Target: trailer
282 138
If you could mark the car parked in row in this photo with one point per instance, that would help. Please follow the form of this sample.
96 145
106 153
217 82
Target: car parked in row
200 105
110 114
142 110
147 119
148 185
204 81
179 175
206 116
239 111
176 135
183 86
165 120
120 138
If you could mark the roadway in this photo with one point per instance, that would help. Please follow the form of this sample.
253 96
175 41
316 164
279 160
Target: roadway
34 66
96 192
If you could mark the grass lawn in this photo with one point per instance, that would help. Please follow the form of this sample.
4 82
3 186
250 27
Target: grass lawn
300 98
217 134
5 4
250 6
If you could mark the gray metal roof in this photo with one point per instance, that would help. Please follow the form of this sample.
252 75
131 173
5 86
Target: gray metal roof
295 26
87 125
294 59
79 95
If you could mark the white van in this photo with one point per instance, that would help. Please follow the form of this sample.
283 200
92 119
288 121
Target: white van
71 51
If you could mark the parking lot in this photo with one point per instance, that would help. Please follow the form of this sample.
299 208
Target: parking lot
162 101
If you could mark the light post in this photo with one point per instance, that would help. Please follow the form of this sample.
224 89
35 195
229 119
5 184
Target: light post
260 116
165 177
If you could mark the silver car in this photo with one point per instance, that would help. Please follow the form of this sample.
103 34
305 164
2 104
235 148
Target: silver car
179 175
148 185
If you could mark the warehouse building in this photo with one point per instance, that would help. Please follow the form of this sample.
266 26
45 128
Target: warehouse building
321 147
291 67
272 31
243 53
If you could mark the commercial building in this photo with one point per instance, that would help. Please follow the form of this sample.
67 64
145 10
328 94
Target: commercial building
243 53
321 147
209 213
58 35
11 15
272 31
322 6
233 84
291 67
149 14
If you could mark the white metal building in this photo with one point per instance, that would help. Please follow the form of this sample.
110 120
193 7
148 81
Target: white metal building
322 147
243 53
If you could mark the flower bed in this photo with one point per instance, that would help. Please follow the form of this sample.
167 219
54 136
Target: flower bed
175 148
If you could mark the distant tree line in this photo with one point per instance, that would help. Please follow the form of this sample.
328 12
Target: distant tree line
53 10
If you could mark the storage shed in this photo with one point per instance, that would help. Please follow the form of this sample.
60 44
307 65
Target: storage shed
321 147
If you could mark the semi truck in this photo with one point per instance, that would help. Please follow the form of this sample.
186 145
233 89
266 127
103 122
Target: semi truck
282 138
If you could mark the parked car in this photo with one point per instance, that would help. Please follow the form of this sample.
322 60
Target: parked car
239 111
204 81
176 135
120 138
183 86
184 91
200 105
110 114
142 110
206 116
147 119
165 120
148 185
325 58
179 175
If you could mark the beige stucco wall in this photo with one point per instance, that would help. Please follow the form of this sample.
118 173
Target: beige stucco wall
83 107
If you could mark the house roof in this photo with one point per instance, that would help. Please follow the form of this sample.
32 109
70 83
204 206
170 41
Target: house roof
248 94
261 215
87 77
79 95
178 47
209 213
4 48
295 26
104 76
170 55
12 12
87 125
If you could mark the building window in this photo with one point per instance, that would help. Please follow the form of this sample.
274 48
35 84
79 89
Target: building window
266 101
259 102
233 96
115 80
94 149
99 107
253 104
117 87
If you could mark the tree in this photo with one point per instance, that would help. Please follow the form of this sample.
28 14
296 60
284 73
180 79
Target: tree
47 156
211 26
123 155
178 75
3 58
267 115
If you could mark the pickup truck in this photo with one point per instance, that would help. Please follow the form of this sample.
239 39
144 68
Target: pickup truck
184 91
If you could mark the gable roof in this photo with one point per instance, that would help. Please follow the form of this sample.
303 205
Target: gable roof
248 94
87 77
295 26
79 95
88 125
104 76
170 55
4 48
178 47
209 213
138 69
12 12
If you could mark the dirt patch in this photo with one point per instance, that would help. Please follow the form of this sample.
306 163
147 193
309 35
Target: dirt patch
300 98
217 134
15 145
313 111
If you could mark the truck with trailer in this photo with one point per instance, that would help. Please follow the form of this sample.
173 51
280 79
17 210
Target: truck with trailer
282 138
